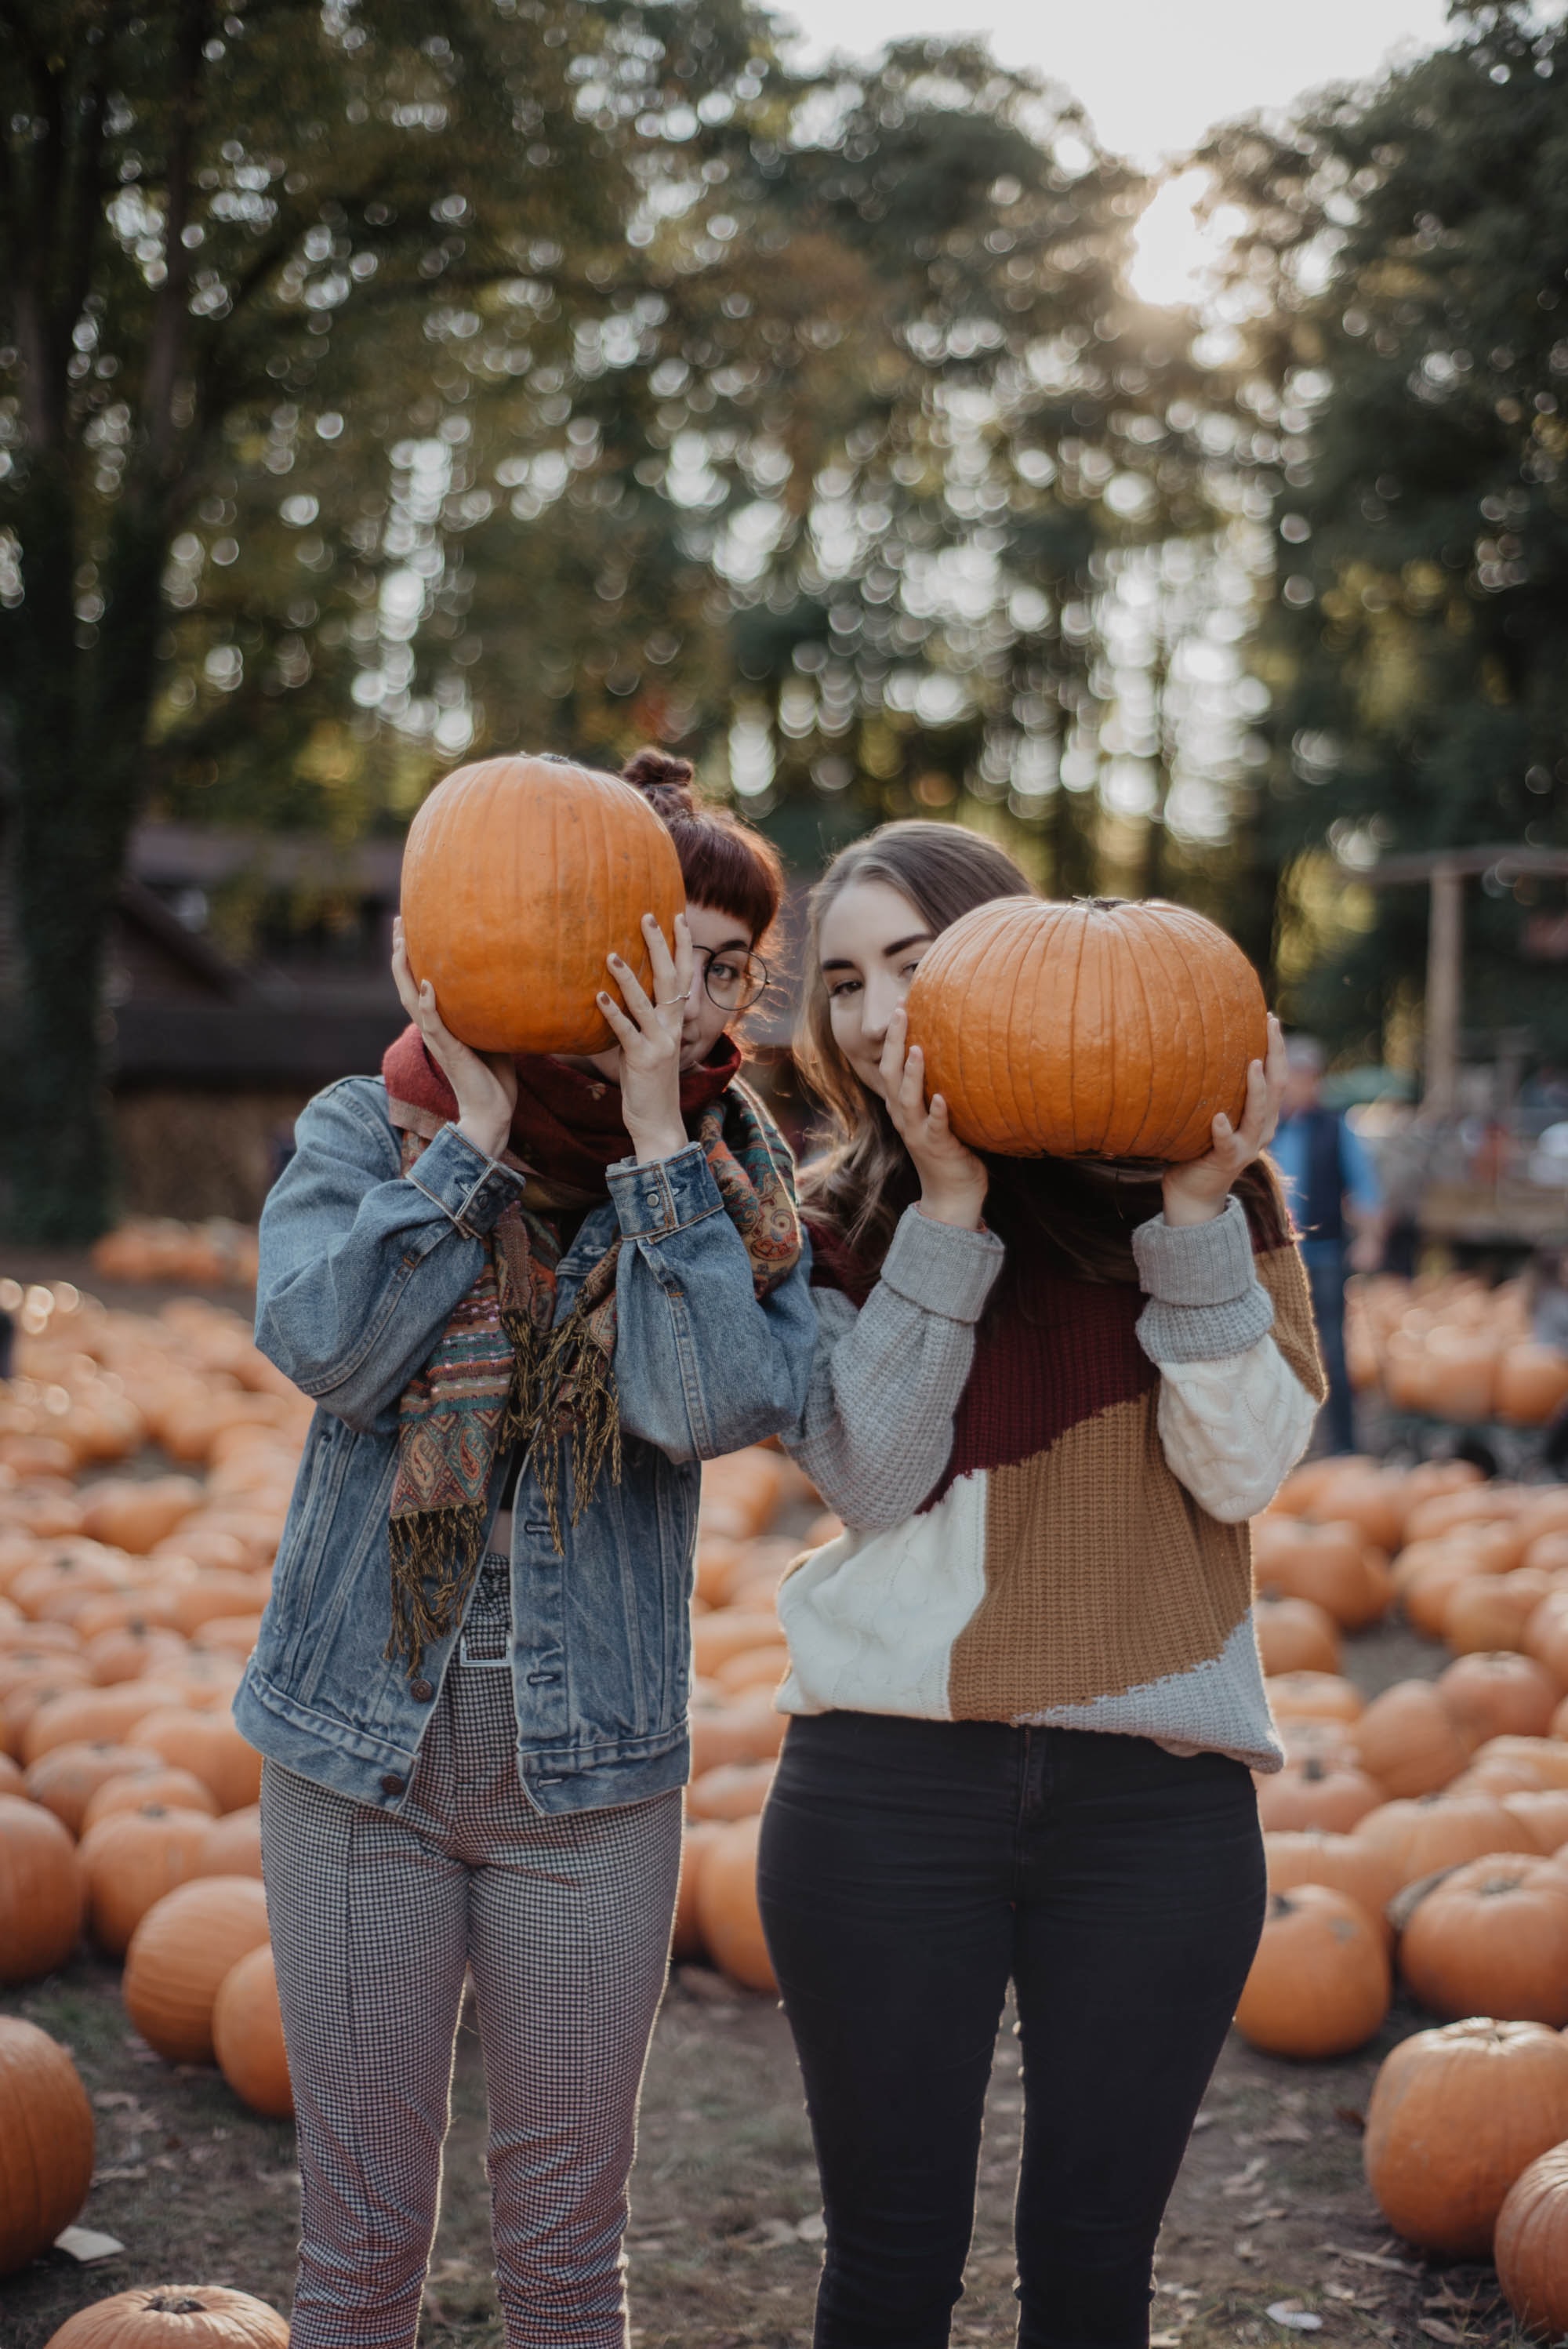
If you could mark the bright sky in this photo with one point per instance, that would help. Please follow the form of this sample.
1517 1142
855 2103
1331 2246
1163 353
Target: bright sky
1151 74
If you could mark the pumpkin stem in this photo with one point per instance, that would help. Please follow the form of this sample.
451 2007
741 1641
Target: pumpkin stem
163 2303
1314 1768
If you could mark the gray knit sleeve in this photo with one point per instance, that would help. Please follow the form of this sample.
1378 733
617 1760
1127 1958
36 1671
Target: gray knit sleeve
877 1427
1205 1299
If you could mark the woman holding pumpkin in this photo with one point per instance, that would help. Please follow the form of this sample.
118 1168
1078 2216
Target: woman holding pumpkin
1023 1682
527 1296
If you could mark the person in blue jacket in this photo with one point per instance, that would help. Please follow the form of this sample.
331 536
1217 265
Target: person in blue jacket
527 1298
1337 1201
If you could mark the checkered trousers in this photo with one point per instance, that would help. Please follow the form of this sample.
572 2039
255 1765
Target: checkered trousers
565 1924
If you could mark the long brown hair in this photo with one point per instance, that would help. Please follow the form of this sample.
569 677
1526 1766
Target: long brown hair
1082 1213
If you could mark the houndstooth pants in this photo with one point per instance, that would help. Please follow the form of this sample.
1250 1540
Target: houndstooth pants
565 1924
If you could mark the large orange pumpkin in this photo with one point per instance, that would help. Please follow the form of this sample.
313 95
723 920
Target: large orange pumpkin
46 2142
519 877
179 1955
174 2317
1531 1380
1492 1939
1320 1982
130 1859
1454 2116
248 2035
728 1915
1098 1029
1530 2245
40 1892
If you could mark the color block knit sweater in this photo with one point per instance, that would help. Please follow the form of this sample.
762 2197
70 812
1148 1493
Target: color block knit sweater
1048 1524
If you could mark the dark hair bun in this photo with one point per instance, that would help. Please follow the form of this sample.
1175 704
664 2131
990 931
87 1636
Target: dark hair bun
664 780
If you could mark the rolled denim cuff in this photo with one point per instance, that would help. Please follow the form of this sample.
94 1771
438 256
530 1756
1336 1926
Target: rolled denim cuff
469 1188
663 1194
1206 1302
941 1268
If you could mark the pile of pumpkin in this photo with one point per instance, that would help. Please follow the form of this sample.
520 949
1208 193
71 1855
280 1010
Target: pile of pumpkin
158 1249
1449 1347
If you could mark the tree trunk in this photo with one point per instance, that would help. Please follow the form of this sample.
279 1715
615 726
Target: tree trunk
78 766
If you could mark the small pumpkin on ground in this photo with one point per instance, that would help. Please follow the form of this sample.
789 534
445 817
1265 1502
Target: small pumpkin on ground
174 2317
130 1859
1344 1863
179 1955
248 2035
1426 1832
1320 1982
1492 1939
727 1914
66 1779
686 1941
46 2142
1318 1793
1296 1635
1409 1741
735 1790
1455 2115
1530 2245
1498 1695
40 1892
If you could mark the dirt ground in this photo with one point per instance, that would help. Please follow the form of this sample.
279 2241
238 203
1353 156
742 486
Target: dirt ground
1270 2211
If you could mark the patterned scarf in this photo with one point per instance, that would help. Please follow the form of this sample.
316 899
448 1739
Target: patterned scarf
502 1374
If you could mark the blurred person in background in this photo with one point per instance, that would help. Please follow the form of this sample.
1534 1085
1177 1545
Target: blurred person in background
1336 1199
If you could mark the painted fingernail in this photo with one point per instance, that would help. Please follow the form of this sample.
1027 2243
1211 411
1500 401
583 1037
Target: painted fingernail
603 998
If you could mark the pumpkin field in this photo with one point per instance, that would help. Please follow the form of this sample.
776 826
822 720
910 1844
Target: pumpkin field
1357 2147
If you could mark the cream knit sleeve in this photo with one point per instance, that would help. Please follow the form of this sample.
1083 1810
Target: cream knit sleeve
1232 1414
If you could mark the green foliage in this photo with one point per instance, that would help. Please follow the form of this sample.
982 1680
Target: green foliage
1410 345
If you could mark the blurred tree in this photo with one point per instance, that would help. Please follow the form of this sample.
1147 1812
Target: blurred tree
1402 375
241 251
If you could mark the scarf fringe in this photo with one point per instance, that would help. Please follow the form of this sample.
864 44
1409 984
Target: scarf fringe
577 1396
433 1547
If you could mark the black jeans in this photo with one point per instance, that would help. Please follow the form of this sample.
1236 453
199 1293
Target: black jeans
909 1870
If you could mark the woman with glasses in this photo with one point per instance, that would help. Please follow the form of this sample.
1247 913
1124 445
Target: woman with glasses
529 1295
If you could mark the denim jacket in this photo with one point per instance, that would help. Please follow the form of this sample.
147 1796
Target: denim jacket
361 1267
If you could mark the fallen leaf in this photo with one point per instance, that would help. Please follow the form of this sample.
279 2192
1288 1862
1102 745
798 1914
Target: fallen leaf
1374 2259
1352 2115
1244 2178
1337 2292
1287 2132
813 2229
1245 2251
1291 2313
1438 2331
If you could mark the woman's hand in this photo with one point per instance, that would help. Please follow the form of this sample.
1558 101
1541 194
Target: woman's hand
952 1181
649 1035
484 1082
1196 1193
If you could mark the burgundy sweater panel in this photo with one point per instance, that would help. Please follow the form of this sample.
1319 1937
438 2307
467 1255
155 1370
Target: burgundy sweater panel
1050 1352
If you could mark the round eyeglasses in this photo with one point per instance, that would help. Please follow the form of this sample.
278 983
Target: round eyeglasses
734 981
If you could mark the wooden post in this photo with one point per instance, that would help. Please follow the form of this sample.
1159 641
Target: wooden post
1444 967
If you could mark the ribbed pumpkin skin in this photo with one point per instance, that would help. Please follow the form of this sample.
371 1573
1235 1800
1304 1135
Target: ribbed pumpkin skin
248 2036
1530 2245
174 2317
1091 1029
1454 2116
179 1955
46 2142
40 1892
519 877
1492 1939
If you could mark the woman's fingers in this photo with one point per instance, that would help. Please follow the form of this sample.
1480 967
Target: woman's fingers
685 959
667 986
890 1066
626 1030
633 993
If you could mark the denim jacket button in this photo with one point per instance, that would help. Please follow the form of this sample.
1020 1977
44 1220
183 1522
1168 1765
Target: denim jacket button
392 1784
421 1692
